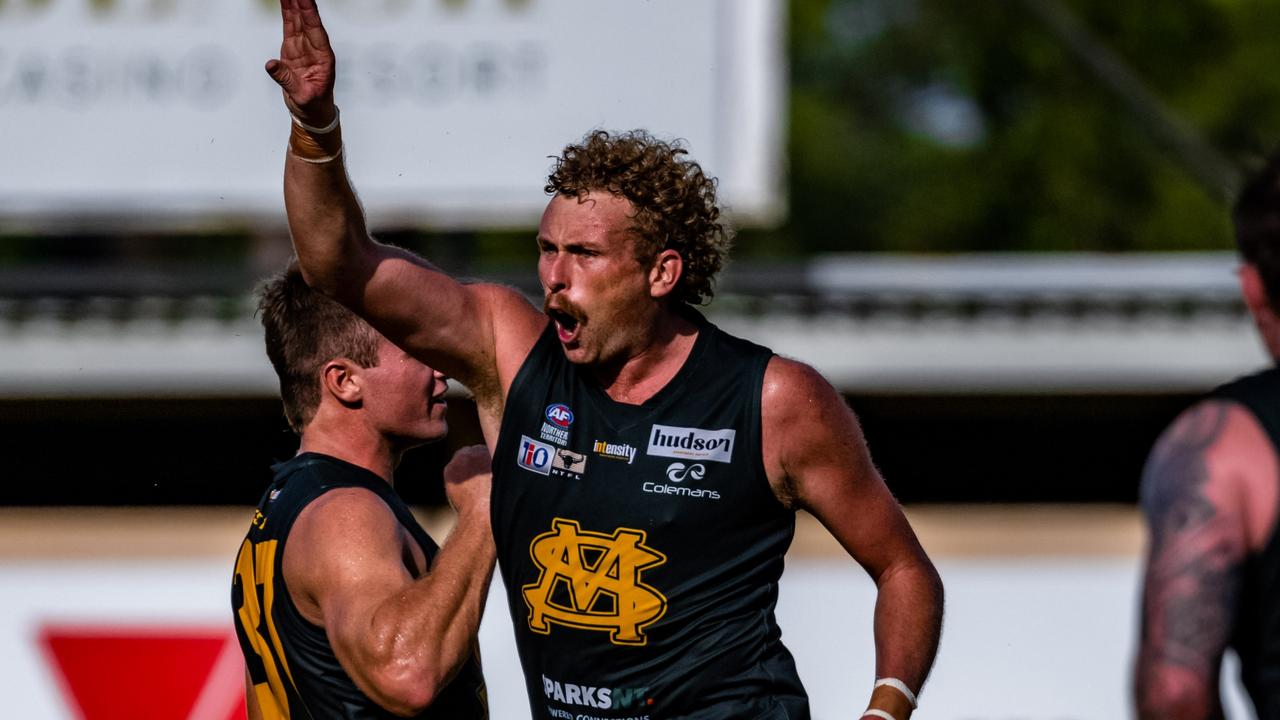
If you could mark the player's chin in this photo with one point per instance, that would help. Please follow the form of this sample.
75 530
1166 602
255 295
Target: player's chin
428 430
577 353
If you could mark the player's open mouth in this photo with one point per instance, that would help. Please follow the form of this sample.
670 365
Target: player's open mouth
566 325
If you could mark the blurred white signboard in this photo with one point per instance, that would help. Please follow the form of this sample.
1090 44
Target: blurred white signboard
157 113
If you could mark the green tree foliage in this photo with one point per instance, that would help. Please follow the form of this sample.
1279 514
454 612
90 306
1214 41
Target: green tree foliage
936 126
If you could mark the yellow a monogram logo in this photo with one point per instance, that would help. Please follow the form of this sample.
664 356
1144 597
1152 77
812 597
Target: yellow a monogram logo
591 580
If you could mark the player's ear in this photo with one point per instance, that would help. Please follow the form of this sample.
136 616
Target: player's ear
1253 289
340 379
665 273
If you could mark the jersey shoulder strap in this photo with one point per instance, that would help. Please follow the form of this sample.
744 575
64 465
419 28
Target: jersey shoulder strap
1260 394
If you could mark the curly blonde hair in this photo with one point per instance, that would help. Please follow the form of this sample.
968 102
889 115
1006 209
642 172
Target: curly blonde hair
674 200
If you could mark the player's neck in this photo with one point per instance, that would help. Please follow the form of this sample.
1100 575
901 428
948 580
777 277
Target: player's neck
654 362
355 445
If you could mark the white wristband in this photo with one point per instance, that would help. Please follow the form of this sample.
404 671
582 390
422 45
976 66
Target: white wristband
878 713
315 130
898 685
320 160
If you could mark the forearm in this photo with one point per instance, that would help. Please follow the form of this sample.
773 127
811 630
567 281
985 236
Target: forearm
430 628
908 621
327 224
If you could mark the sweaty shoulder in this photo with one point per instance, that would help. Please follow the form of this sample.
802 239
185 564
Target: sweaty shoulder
802 419
792 388
516 325
338 539
1217 449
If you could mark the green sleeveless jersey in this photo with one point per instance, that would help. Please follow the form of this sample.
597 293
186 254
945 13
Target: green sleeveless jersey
641 545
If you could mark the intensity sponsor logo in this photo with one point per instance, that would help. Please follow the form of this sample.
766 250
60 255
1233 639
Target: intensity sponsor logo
692 443
535 456
568 464
602 698
614 451
678 472
594 581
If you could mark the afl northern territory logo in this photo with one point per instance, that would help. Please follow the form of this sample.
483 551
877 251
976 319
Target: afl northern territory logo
592 581
560 415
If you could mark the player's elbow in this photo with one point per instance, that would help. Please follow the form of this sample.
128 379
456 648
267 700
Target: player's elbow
408 688
341 276
1168 699
917 571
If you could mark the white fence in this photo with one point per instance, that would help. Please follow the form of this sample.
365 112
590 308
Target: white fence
132 610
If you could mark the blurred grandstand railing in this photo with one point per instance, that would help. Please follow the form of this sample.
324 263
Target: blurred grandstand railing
871 323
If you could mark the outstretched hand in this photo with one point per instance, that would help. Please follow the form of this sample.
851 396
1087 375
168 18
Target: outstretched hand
305 69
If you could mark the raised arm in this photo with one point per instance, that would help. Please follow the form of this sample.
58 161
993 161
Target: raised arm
476 333
817 460
400 639
1208 494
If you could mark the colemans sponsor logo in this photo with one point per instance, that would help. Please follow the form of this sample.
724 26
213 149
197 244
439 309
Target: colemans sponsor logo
691 443
678 472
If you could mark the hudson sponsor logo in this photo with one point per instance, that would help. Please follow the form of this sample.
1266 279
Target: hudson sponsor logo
535 456
602 698
568 464
678 472
692 443
560 415
614 451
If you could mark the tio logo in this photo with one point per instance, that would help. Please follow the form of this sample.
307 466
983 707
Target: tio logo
534 456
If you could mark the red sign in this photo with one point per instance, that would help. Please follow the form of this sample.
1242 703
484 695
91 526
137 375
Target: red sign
114 672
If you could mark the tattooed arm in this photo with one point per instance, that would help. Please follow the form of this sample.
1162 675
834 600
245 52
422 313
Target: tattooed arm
1208 502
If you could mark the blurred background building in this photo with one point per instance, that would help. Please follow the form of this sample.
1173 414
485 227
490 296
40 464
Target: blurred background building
999 228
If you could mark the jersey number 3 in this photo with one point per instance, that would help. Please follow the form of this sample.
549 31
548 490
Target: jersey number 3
252 596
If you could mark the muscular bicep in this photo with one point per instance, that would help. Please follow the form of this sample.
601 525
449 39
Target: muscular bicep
475 332
344 558
817 460
1192 503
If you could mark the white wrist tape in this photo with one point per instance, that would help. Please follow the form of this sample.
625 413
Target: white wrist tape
879 714
319 131
317 160
898 685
